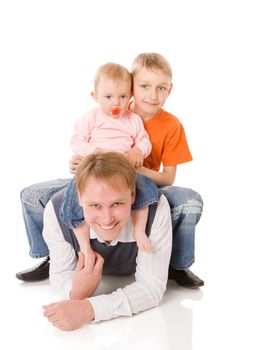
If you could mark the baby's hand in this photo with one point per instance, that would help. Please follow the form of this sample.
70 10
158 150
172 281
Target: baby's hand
135 157
73 163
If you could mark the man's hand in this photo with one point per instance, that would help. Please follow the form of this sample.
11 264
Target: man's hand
87 275
74 162
68 315
135 157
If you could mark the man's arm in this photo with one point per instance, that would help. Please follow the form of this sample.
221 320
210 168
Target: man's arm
69 277
150 277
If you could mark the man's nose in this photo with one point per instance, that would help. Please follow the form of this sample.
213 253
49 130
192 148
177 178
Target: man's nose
107 216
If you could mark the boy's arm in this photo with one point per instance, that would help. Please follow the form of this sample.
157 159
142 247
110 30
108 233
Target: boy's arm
165 177
150 277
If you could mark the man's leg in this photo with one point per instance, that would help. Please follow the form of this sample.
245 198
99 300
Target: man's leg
33 200
186 209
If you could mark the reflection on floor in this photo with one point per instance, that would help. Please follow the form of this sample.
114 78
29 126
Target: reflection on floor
200 319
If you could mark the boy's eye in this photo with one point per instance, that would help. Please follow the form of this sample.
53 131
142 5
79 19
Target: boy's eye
162 88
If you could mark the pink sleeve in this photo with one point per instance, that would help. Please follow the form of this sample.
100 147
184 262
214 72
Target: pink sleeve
142 139
80 140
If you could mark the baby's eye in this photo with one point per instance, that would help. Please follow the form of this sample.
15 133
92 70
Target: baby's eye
123 97
108 97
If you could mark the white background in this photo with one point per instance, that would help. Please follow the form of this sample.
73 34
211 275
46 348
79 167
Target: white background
50 51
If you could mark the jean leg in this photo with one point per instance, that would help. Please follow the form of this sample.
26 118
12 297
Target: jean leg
147 192
33 200
71 213
186 209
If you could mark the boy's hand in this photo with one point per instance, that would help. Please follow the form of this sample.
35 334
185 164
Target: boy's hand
87 275
74 162
135 157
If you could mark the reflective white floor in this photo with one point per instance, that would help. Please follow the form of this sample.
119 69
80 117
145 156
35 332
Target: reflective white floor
217 316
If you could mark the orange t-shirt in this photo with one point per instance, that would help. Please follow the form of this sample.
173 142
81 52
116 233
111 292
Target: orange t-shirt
168 139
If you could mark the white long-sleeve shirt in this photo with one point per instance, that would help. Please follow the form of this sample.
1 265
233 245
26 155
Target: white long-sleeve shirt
97 130
151 271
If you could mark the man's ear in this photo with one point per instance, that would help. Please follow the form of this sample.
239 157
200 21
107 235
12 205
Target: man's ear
94 96
79 199
133 195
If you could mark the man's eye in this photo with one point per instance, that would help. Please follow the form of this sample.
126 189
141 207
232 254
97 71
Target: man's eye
144 86
117 204
95 205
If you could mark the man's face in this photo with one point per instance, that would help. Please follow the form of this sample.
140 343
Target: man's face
106 206
113 95
150 90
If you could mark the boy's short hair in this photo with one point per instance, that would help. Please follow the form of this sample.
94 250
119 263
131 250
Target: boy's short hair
105 166
112 71
151 61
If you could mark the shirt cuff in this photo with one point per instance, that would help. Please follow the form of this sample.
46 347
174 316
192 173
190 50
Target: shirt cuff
66 289
107 307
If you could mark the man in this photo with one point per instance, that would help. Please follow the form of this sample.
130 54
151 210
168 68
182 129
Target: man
106 190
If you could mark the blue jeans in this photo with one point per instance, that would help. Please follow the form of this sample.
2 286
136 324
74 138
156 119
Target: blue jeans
72 214
186 209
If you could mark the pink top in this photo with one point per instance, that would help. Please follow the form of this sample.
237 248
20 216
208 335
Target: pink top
97 130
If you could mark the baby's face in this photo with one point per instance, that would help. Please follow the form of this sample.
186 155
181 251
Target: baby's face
113 97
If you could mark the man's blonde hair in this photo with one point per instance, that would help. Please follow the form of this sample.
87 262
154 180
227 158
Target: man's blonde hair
112 71
106 167
151 61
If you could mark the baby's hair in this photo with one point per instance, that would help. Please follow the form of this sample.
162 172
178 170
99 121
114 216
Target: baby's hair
112 71
151 61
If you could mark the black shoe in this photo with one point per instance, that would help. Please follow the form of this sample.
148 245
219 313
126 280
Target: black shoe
37 273
185 278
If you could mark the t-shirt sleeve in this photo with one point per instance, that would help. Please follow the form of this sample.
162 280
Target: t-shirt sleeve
175 148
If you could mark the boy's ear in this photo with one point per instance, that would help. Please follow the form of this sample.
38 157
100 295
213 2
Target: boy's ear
170 89
94 96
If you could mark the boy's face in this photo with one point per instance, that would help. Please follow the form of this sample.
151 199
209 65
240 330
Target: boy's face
106 207
150 89
113 96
